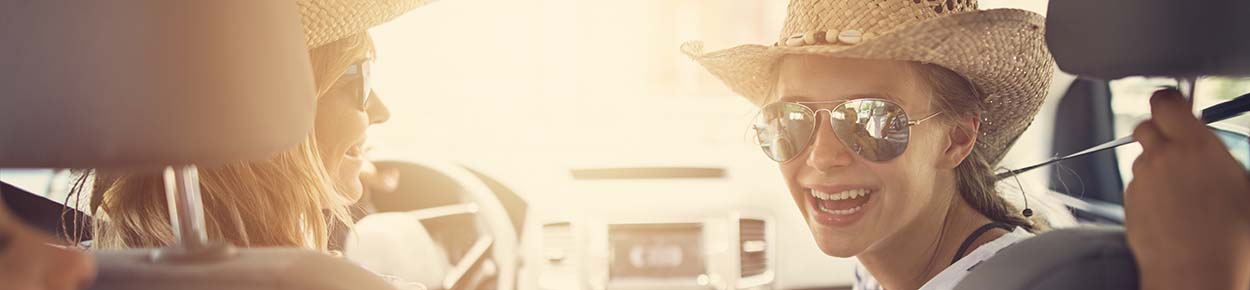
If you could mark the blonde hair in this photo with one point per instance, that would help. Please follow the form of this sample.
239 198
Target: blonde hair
974 177
287 201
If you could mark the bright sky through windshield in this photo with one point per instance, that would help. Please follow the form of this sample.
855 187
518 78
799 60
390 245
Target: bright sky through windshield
567 82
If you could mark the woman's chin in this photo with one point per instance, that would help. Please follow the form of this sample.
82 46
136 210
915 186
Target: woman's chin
839 245
839 252
353 190
349 188
349 178
841 248
348 194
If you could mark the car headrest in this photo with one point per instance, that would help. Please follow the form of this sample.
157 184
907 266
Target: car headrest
151 83
1094 257
1110 39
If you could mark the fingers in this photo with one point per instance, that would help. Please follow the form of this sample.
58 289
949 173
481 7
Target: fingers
1147 133
1135 203
1173 114
31 263
1141 166
85 265
1152 141
68 269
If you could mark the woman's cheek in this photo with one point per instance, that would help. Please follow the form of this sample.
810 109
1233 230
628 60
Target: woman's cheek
326 134
791 172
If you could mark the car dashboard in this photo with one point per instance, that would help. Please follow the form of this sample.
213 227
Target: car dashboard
730 250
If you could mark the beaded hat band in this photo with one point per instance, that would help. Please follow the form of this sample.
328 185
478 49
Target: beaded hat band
325 21
1001 51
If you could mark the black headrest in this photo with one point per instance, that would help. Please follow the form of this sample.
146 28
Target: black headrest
150 82
1110 39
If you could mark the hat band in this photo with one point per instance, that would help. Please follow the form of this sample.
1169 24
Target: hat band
849 36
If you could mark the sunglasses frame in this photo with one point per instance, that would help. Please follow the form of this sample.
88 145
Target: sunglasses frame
363 69
815 115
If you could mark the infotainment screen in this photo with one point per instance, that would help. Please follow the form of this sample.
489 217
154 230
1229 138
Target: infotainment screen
651 251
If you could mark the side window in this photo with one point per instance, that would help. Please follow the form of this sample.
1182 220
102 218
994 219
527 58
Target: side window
52 184
1130 102
35 181
1238 143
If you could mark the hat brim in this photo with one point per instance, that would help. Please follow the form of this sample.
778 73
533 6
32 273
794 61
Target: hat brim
1001 51
325 21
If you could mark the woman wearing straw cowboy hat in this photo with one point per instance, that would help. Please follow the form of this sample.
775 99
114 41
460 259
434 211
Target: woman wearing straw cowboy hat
900 111
280 202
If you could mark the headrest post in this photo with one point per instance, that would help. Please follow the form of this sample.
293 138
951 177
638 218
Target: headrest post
1186 85
186 209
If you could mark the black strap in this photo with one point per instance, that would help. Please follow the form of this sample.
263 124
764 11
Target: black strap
973 237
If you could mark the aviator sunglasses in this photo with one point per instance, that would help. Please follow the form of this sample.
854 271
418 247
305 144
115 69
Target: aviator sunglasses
361 72
875 129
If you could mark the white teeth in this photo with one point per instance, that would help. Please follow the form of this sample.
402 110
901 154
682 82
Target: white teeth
842 211
849 194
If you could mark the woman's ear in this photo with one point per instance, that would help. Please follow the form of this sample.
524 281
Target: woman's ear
962 138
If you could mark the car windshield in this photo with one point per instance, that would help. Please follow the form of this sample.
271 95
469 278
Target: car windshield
573 84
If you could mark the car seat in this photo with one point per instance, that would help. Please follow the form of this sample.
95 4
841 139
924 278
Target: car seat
1076 259
150 84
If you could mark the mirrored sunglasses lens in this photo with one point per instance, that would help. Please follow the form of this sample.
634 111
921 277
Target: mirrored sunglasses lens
875 129
783 129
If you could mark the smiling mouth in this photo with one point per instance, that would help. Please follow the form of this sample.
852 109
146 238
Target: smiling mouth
354 151
842 203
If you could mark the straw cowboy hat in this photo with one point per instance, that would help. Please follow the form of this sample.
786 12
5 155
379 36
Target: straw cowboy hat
325 21
1001 51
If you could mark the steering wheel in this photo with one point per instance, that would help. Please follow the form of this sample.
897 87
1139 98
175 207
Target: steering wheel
461 212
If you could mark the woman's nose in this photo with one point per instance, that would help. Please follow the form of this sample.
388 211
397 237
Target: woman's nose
378 112
827 151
